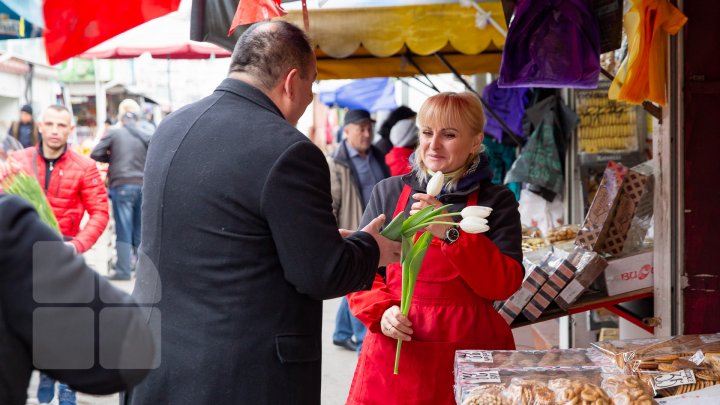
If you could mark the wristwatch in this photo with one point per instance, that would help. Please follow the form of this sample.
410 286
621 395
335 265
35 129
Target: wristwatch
451 235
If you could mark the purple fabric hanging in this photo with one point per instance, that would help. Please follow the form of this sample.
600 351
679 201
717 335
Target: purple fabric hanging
509 105
551 43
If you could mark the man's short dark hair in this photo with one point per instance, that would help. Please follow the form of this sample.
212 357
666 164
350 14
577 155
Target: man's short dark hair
270 52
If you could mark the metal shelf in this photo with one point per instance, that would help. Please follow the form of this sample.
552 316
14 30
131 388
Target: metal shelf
595 300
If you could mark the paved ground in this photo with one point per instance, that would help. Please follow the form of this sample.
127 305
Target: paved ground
338 364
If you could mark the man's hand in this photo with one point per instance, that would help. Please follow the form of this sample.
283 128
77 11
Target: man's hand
389 250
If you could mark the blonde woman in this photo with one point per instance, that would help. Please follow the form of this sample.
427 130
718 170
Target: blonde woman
462 273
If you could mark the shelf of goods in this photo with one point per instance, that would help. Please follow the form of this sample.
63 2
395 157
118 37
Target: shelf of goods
596 300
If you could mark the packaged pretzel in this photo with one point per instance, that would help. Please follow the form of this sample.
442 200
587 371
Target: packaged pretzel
531 387
627 389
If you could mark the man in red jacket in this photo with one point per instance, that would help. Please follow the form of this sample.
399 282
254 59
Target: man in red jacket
71 182
72 186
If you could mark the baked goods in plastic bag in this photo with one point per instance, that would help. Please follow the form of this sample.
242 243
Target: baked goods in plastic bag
490 394
578 391
627 390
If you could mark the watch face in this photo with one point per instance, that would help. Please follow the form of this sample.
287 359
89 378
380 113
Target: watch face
452 235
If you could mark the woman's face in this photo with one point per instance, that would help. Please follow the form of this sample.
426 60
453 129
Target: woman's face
447 148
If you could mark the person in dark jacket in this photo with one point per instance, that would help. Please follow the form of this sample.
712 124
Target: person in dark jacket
49 300
385 144
404 136
125 148
25 130
355 167
239 243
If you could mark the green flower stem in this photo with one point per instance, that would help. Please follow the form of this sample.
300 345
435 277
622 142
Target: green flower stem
448 214
424 225
397 356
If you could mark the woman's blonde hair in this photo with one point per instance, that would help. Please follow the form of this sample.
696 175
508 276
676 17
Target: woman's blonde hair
446 110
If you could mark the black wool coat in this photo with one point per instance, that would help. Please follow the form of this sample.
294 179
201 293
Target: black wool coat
239 248
50 304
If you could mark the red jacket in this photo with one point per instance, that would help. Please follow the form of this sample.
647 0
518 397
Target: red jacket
398 160
75 187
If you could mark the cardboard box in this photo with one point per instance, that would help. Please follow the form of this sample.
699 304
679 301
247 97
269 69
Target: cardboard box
560 271
534 280
629 273
635 199
589 267
591 235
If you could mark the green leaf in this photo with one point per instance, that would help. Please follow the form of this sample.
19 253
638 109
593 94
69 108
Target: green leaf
393 230
416 218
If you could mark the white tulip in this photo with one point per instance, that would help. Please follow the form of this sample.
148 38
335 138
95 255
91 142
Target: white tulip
435 185
474 225
476 211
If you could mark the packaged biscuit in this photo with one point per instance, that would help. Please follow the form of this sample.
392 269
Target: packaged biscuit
532 387
635 201
649 354
562 233
589 266
469 360
594 229
560 272
535 277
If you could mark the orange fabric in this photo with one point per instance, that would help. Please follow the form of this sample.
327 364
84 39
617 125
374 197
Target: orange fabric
643 74
252 11
75 187
451 310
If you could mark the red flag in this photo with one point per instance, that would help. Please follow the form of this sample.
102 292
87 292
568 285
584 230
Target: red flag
252 11
74 26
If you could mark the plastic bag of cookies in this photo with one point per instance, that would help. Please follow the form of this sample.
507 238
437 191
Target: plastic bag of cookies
627 390
578 391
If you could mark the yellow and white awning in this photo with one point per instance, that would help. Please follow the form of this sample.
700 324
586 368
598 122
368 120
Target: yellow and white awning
372 41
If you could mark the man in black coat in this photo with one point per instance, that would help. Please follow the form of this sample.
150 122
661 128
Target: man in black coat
239 243
57 315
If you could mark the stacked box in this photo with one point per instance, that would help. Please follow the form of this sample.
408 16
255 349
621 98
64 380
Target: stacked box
560 271
591 235
635 200
589 267
534 280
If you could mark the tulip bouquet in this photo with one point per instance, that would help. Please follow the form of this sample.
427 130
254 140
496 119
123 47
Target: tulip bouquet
15 181
412 253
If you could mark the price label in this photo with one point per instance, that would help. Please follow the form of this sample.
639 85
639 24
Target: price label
479 357
480 377
674 379
698 357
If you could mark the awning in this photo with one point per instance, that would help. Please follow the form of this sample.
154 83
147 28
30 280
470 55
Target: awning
374 41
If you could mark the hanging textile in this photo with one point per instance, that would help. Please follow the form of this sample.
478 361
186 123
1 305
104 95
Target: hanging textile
551 43
642 74
509 105
501 159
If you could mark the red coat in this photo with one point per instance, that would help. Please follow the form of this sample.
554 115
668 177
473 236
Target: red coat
75 187
451 310
398 160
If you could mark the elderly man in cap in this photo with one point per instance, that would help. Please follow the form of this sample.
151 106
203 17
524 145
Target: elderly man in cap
355 167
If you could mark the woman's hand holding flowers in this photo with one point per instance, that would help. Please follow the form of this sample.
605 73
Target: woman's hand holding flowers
395 325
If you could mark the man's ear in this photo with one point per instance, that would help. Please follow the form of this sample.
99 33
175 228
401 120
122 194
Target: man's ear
289 85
